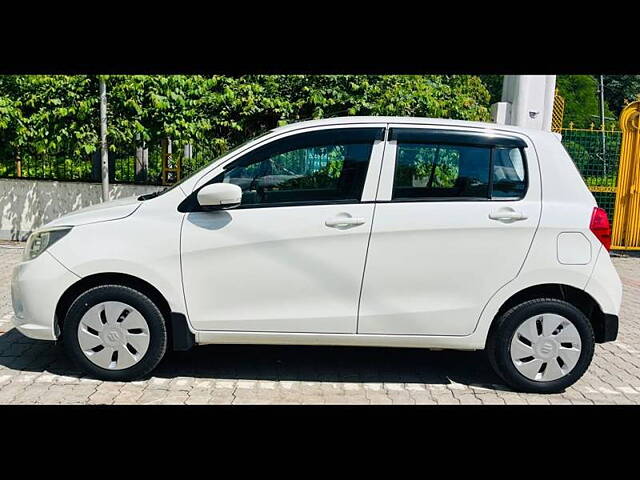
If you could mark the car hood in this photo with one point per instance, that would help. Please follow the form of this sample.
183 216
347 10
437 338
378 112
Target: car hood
101 212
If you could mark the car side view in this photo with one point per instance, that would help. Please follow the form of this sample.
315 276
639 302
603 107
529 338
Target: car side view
360 231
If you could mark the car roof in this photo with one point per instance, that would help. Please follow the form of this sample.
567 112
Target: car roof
404 120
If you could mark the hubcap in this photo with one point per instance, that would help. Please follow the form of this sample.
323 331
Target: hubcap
113 335
545 347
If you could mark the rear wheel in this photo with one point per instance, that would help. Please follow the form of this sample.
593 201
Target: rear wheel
115 333
542 346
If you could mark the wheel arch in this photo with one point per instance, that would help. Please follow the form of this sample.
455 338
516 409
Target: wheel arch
111 278
572 295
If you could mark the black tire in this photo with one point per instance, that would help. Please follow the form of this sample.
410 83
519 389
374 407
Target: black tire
148 309
499 344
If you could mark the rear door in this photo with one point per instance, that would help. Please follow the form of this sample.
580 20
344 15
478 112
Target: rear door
455 216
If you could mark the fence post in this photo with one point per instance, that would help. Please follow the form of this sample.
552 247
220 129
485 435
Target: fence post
18 166
168 164
165 146
142 162
103 140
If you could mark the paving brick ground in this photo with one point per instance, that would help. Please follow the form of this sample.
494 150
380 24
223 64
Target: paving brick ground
37 372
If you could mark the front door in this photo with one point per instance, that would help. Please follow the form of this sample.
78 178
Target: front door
456 215
291 257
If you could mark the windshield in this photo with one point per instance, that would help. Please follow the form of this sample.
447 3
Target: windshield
182 180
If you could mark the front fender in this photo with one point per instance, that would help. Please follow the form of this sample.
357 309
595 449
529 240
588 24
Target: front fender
145 245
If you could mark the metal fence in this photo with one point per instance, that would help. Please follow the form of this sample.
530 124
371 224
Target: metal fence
66 166
596 153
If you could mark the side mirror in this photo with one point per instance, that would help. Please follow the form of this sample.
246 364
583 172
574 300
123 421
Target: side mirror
218 196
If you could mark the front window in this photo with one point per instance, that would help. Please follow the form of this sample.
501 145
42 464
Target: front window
315 167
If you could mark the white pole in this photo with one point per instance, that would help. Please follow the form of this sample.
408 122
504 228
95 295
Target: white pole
527 101
604 147
549 98
104 155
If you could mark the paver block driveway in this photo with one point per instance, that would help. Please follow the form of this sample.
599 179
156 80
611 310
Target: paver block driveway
38 372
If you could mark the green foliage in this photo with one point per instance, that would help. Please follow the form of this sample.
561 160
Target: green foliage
581 97
325 177
494 86
51 122
420 165
45 114
240 108
621 89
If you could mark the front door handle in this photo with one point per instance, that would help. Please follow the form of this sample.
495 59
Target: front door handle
343 222
507 215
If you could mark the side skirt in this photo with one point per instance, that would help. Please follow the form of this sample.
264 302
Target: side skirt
469 342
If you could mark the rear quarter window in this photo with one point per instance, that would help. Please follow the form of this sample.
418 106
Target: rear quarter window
509 173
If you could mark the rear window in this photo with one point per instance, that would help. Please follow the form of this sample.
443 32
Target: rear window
442 171
434 170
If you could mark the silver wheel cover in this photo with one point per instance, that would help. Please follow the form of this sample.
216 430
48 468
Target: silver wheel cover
545 347
113 335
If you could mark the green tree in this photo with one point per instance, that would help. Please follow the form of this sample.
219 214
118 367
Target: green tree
45 117
494 86
52 121
581 97
621 89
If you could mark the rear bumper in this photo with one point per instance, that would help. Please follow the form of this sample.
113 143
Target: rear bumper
605 286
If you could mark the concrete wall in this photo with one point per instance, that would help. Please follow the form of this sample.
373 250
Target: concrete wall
27 204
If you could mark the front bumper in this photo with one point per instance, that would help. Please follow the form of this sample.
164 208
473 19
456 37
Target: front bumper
36 287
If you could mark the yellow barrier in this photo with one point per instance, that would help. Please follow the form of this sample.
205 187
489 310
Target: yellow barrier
626 222
557 115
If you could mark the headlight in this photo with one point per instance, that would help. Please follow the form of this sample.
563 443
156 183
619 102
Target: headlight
38 242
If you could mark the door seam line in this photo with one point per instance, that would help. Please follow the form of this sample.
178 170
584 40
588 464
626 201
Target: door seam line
373 216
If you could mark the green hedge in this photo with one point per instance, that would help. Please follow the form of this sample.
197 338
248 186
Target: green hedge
51 122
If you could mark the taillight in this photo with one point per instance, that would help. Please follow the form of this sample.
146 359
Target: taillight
600 226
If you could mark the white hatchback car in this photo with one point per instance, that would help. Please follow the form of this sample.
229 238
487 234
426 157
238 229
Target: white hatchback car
371 231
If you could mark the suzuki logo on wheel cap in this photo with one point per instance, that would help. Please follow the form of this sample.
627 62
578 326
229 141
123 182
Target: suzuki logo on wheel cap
113 336
546 348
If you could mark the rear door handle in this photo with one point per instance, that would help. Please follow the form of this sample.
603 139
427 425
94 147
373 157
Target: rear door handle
507 215
338 222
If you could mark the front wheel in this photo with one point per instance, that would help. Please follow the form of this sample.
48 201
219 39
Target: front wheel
115 333
541 346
